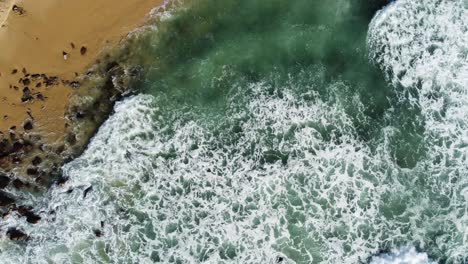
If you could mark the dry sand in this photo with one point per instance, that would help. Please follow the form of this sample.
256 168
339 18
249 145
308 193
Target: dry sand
35 41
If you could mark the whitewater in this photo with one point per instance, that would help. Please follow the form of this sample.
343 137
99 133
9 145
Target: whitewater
292 169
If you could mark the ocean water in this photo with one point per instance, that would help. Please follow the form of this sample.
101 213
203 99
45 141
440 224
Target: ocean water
275 132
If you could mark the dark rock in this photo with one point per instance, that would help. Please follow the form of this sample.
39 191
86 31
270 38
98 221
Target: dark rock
32 171
26 82
49 81
86 191
83 50
279 259
28 125
4 147
80 115
18 10
6 199
61 180
22 210
18 183
98 233
36 161
16 234
32 217
60 149
41 180
14 71
75 84
18 146
4 181
26 95
35 76
26 211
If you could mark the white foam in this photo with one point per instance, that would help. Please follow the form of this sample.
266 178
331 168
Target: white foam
423 46
407 255
157 193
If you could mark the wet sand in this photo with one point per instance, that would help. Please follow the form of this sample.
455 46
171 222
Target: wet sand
47 37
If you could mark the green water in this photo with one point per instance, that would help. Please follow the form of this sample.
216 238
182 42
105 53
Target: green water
212 46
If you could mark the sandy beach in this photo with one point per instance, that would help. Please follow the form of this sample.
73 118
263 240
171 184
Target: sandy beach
45 47
60 39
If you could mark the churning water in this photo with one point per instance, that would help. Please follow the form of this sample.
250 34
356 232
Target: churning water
276 132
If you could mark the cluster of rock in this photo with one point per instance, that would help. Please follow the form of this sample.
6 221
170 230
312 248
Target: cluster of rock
27 162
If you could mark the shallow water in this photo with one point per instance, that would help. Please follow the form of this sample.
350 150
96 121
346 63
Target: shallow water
324 135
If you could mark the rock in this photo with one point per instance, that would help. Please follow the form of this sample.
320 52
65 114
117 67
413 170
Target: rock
80 115
98 233
28 125
65 55
18 146
4 147
32 218
83 50
26 95
4 181
61 180
74 84
18 10
35 76
6 199
22 210
26 211
49 81
86 191
36 161
14 71
39 96
26 81
16 234
32 171
18 183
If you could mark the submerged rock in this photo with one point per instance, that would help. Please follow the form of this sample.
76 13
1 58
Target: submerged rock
86 191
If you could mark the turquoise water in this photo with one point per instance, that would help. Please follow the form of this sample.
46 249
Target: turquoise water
276 132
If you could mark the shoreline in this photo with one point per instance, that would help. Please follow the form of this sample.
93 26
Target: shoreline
59 79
